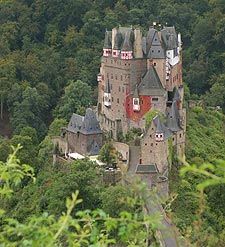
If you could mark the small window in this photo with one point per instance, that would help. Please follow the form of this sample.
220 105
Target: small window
119 88
114 53
121 77
116 77
118 101
158 51
154 64
123 89
111 76
136 101
145 144
155 99
180 135
152 51
112 99
151 144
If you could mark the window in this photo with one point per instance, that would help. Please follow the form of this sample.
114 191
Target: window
114 53
111 76
151 144
116 77
136 101
152 51
111 86
158 51
145 144
121 77
123 89
119 88
118 101
154 64
155 99
180 135
112 99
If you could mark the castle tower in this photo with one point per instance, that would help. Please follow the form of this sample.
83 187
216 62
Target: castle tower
138 73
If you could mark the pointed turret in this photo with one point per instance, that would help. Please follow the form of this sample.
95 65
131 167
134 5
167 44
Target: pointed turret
117 44
162 132
127 51
107 47
173 118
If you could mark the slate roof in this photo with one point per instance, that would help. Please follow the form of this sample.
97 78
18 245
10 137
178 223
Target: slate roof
135 94
161 128
108 40
151 84
177 95
124 39
150 168
156 50
127 43
169 38
87 124
150 36
94 149
173 118
117 41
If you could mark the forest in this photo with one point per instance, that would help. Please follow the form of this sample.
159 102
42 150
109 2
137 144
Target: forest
50 53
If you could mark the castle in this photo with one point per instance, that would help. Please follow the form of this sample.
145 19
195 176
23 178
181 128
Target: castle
138 74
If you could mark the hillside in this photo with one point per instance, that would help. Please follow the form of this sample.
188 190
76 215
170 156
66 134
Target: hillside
50 53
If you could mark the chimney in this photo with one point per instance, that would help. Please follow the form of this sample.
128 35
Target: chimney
114 32
138 53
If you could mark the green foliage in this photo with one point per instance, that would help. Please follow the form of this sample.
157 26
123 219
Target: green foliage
205 127
76 98
55 127
133 134
12 172
73 228
149 117
108 154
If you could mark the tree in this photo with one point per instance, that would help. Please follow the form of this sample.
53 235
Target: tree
7 77
108 154
76 97
55 127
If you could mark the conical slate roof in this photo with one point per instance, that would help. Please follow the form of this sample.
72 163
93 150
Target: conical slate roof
150 36
151 84
108 40
127 43
117 41
161 128
173 118
156 50
176 95
87 124
169 38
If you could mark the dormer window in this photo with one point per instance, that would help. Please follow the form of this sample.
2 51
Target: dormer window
126 55
115 53
159 137
107 52
136 104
